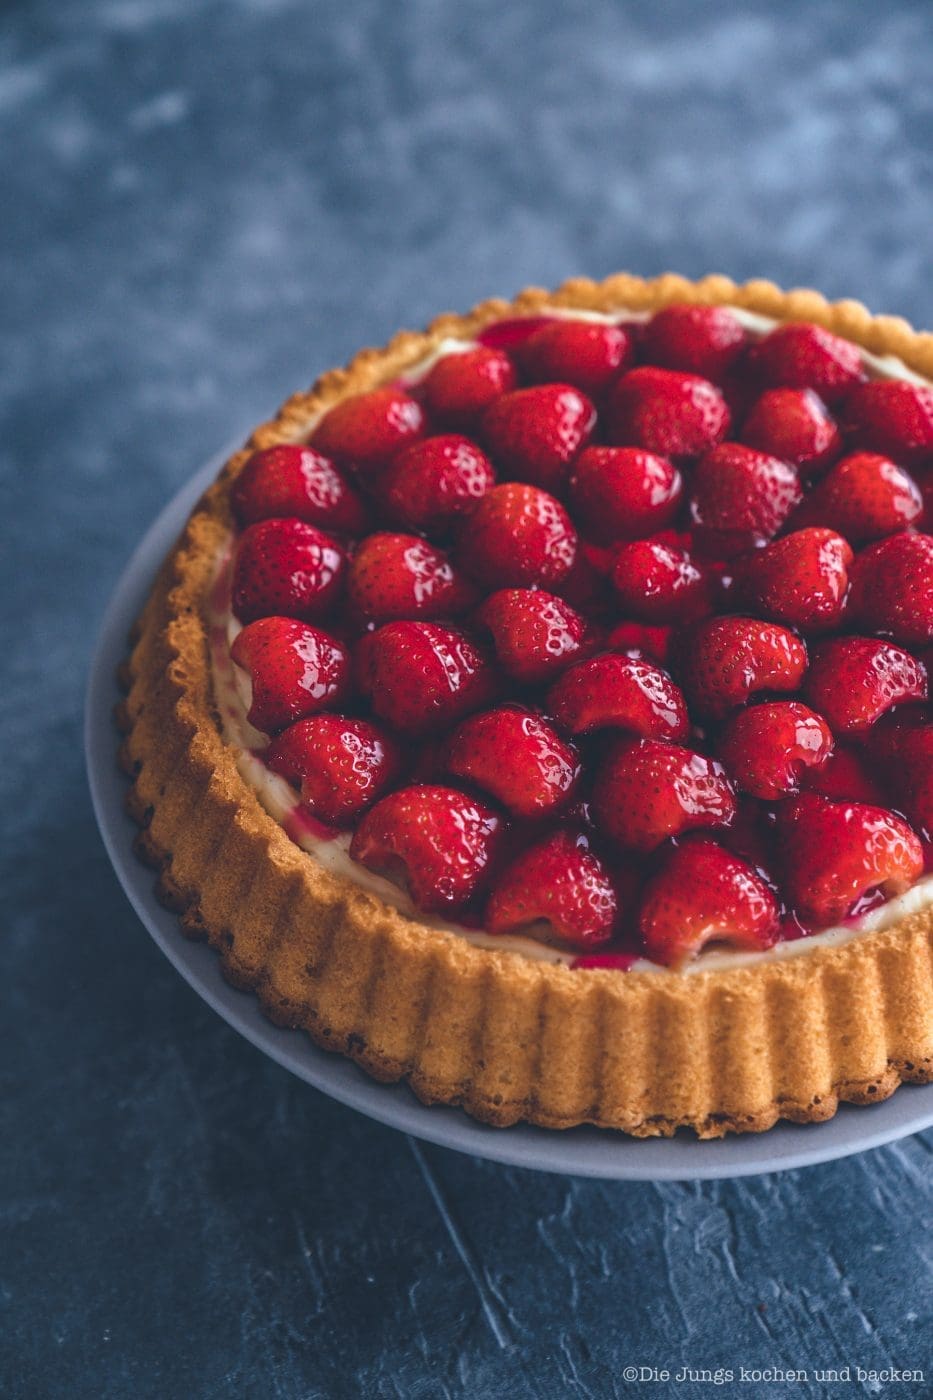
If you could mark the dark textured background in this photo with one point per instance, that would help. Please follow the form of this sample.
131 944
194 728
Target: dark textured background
203 205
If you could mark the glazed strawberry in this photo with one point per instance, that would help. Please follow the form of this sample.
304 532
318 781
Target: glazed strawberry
459 387
422 678
614 691
622 493
799 355
442 841
892 588
725 660
834 852
293 479
740 498
893 417
435 482
587 354
646 791
517 537
853 681
801 580
701 894
368 429
845 776
677 415
705 340
403 576
516 757
766 748
636 639
902 746
795 425
535 634
295 670
864 496
534 434
559 881
341 765
286 567
657 581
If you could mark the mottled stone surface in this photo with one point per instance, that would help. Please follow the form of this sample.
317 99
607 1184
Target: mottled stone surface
205 204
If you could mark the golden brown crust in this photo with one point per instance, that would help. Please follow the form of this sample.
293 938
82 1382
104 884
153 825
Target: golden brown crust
508 1038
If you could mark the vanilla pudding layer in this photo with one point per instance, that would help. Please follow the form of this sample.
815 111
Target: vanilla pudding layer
232 691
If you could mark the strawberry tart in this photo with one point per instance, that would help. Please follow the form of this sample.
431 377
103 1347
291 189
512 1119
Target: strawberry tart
538 710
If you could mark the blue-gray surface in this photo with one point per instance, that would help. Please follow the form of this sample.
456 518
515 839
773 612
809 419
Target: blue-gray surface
204 204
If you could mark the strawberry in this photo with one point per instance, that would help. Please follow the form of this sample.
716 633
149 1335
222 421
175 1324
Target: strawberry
341 765
902 745
766 748
535 634
534 434
518 536
286 567
864 496
701 894
586 354
674 414
705 340
558 881
891 416
435 482
440 840
740 498
799 355
516 757
853 681
725 660
795 425
835 852
613 691
659 582
646 791
892 588
636 639
367 429
402 576
292 479
801 580
845 776
295 670
459 387
623 493
421 678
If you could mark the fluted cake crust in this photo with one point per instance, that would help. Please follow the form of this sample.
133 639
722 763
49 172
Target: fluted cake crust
508 1038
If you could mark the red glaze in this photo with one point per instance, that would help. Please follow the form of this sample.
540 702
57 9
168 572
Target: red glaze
893 417
703 893
516 757
865 496
892 589
846 776
341 765
368 429
519 537
726 660
560 881
587 354
704 340
801 580
622 493
674 414
287 568
459 387
535 434
646 791
295 670
403 576
434 483
834 852
535 634
766 748
799 355
614 691
794 425
292 479
853 681
740 498
422 678
442 841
